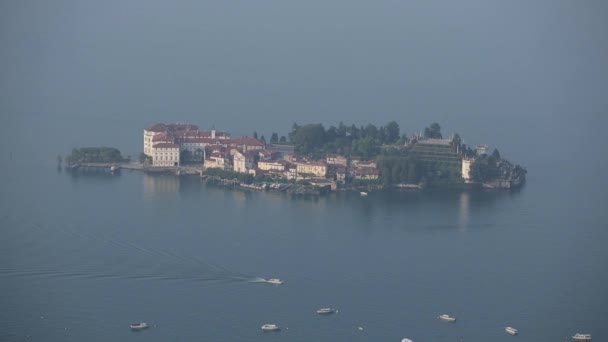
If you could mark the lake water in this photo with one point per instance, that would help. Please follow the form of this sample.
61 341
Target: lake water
84 255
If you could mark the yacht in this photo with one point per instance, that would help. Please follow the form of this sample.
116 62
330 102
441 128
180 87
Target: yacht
325 311
139 326
405 339
270 327
274 281
363 193
511 330
447 318
581 337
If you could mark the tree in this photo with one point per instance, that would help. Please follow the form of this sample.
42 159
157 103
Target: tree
255 134
263 139
433 132
283 139
392 132
309 137
496 154
274 138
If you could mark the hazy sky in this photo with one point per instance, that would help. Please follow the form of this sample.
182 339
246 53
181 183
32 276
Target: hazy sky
261 65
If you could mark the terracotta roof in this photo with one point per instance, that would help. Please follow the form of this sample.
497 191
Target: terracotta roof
313 163
166 145
162 137
246 141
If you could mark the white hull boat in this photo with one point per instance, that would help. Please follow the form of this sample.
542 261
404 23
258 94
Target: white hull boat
139 326
581 337
363 193
274 281
326 311
407 340
511 331
447 318
270 327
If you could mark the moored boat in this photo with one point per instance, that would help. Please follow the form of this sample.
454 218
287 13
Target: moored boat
405 339
511 330
270 327
363 193
325 311
447 318
274 281
138 326
581 337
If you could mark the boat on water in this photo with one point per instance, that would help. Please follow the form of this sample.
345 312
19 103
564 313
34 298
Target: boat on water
447 318
326 311
363 193
270 327
274 281
511 330
405 339
139 326
581 337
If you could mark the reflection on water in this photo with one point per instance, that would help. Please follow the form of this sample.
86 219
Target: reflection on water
463 213
160 185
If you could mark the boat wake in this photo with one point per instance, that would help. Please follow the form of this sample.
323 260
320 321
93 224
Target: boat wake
100 256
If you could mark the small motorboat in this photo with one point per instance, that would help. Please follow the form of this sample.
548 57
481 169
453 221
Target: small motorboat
447 318
326 311
581 337
270 327
274 281
363 193
139 326
405 339
511 330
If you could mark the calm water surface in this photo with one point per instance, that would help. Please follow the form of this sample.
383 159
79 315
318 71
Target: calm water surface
84 255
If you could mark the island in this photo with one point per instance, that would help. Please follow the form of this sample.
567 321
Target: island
311 159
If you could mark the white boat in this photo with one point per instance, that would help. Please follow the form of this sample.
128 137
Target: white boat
511 330
405 339
447 318
139 326
325 311
274 281
581 337
363 193
270 327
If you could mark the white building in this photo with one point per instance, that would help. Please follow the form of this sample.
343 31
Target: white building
466 168
242 161
165 154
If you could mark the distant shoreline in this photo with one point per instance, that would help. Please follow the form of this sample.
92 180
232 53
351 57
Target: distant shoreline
266 186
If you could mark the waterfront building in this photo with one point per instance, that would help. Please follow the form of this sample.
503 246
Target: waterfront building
366 173
169 129
336 159
245 144
165 154
367 163
307 169
243 161
277 165
466 168
218 160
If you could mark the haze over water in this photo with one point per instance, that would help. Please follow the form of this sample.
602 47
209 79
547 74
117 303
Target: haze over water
83 256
